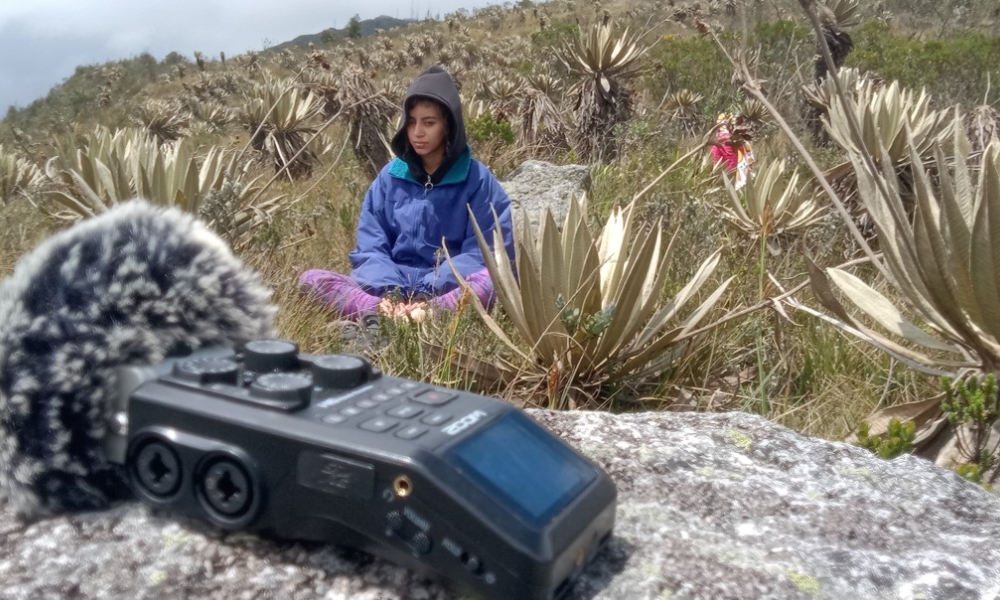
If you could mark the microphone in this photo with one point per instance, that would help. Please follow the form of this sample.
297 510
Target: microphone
136 284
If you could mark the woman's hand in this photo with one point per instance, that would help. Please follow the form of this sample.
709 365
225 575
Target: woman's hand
417 311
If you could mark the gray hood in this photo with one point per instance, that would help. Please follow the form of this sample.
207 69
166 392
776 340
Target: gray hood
436 84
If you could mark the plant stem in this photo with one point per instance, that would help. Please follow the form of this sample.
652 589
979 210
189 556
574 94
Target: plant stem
751 87
761 264
705 142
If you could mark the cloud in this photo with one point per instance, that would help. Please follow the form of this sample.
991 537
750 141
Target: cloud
43 41
37 66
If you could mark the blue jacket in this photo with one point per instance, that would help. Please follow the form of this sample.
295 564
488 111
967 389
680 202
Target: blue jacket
402 225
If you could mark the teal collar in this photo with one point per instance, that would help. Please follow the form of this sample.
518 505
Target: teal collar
456 174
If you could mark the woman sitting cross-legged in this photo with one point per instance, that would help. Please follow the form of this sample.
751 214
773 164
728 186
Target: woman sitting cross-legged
416 206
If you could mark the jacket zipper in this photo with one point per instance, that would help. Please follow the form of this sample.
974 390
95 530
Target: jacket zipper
428 186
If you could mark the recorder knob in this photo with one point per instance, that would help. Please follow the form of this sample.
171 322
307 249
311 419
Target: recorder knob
204 371
285 391
341 371
265 356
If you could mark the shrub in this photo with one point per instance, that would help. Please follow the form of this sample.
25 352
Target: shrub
972 407
487 128
898 439
555 35
694 64
954 69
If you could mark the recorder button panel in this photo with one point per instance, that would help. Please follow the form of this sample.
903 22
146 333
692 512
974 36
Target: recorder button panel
405 409
342 390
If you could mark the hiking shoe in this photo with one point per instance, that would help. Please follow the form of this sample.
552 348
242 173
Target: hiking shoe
375 338
359 335
348 330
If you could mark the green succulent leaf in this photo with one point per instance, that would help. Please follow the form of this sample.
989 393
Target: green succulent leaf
770 204
944 260
115 167
586 302
880 308
18 176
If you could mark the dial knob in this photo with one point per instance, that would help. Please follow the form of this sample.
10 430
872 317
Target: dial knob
284 391
264 356
207 370
341 371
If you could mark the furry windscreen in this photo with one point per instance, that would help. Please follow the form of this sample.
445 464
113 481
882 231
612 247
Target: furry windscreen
124 287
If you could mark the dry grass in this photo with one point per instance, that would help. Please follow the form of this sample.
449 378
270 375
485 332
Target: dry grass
22 229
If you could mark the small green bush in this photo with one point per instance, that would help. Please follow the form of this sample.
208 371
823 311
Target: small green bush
555 35
697 64
692 63
954 69
776 35
897 440
972 407
485 128
973 473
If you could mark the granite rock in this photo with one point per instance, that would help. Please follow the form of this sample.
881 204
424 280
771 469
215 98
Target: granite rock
710 506
536 186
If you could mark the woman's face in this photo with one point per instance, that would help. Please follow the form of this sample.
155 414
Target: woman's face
425 130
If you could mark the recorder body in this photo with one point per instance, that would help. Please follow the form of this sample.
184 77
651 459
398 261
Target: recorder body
327 448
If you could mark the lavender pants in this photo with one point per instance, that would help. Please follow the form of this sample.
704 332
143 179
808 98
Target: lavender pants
343 294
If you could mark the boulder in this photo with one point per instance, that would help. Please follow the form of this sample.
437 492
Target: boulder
710 506
536 185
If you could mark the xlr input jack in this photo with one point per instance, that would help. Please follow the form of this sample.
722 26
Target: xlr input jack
229 490
226 487
157 470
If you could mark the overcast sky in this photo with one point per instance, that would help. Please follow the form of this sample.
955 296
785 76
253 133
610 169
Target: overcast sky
43 41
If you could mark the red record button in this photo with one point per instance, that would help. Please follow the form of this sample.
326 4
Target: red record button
433 397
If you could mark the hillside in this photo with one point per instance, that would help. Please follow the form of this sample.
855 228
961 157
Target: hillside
368 27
